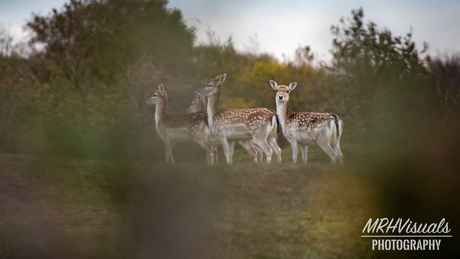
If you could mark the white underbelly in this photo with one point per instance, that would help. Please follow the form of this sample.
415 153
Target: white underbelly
303 138
238 136
237 132
180 135
308 142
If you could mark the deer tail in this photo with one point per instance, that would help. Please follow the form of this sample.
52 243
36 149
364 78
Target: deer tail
337 128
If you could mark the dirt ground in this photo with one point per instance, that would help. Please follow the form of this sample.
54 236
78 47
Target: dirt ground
67 208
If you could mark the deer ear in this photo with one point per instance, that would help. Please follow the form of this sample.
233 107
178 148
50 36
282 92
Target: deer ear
162 88
274 84
221 78
292 86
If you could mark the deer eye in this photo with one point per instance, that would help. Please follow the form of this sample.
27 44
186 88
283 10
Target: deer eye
287 92
154 95
276 90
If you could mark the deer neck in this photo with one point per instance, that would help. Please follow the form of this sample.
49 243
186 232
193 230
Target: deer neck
202 106
161 110
213 105
283 111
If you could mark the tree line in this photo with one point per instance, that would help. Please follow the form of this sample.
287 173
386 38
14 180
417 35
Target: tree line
81 89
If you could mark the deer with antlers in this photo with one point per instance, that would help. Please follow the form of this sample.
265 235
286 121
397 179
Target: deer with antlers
230 125
308 128
175 127
198 105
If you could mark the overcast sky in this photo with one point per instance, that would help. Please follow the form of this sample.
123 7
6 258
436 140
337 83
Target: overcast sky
280 27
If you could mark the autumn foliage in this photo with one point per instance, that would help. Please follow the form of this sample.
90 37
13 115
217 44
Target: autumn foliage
81 89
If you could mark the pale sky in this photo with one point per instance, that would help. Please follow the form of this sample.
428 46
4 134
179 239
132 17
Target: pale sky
280 27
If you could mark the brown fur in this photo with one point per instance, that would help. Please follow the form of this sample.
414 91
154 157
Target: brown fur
198 105
307 128
240 124
177 127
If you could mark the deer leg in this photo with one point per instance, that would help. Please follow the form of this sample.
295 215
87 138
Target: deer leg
209 138
225 147
168 151
251 150
167 154
304 149
262 143
338 152
275 147
171 158
213 152
167 148
260 152
295 151
216 158
231 145
326 147
209 149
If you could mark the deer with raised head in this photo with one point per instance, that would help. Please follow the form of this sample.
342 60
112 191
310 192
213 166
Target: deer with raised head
199 105
180 127
230 125
323 129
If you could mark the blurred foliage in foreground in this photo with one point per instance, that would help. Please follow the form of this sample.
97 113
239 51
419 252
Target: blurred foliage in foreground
81 90
82 94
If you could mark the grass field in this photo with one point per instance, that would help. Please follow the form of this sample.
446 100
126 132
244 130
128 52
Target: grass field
64 208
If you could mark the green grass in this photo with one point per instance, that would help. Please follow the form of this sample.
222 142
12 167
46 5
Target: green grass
107 209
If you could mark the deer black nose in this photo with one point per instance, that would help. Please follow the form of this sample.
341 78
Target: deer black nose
281 97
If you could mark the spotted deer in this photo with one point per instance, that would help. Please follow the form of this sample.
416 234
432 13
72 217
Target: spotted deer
180 127
230 125
308 128
199 104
